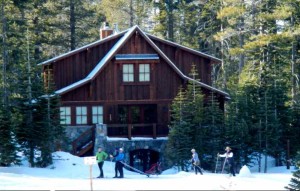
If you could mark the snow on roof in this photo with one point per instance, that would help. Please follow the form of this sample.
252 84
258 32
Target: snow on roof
81 48
137 57
73 86
185 48
177 69
110 53
117 46
98 67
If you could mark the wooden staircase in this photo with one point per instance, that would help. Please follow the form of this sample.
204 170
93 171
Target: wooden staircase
84 144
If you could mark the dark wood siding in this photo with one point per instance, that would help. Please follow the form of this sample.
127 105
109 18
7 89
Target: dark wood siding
184 61
77 66
108 89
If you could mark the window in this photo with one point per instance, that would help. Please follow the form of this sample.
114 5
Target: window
128 74
81 115
65 115
97 114
144 72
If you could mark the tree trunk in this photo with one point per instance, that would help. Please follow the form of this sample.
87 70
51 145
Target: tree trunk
131 13
4 56
72 25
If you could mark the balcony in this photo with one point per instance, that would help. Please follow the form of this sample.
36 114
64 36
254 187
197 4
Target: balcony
153 130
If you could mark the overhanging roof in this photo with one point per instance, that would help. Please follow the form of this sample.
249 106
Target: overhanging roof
113 53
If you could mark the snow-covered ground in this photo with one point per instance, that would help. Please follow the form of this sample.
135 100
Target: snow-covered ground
70 173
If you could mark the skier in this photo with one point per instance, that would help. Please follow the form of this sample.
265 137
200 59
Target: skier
228 159
116 152
101 156
196 162
119 163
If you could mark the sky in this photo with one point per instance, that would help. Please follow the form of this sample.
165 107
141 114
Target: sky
70 172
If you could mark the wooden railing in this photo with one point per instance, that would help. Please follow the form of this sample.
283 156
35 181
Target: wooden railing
84 143
137 130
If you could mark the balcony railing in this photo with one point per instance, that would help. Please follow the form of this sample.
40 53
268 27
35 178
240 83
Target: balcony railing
153 130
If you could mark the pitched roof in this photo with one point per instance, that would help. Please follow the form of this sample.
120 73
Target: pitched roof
185 48
113 51
47 62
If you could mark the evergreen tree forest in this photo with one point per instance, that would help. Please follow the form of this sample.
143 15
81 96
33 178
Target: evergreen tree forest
257 41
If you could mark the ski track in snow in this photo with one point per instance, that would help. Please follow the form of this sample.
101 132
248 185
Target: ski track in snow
70 173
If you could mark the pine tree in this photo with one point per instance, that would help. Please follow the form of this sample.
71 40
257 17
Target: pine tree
133 12
213 132
179 142
295 180
186 129
8 146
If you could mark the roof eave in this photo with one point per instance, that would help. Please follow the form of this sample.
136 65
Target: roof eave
215 59
57 58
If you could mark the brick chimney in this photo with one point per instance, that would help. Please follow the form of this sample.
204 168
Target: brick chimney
105 31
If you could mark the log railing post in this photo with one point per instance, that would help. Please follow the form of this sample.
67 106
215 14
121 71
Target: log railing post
129 131
154 131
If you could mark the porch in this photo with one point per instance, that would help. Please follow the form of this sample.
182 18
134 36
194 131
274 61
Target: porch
153 130
85 141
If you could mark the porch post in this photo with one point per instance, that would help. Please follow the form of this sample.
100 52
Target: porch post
154 131
129 131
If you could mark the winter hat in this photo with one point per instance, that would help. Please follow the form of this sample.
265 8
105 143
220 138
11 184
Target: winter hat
193 150
121 149
227 149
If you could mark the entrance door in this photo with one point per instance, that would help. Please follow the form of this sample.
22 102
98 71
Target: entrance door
143 159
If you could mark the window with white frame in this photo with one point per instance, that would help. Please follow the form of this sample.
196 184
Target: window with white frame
97 114
128 73
65 115
144 72
81 115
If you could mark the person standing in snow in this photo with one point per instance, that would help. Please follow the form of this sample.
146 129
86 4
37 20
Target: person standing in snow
196 162
119 163
116 152
228 159
101 156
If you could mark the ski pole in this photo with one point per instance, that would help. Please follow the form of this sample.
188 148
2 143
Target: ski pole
217 163
224 165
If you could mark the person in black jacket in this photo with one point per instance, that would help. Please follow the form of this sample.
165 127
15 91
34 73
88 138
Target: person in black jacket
112 156
229 159
119 158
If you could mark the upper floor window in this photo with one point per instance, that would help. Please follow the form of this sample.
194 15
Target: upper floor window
128 73
65 115
81 115
144 72
97 114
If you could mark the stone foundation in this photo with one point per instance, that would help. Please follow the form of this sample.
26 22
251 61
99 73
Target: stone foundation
110 144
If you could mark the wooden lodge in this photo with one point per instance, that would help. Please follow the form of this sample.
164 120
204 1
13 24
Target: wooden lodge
127 81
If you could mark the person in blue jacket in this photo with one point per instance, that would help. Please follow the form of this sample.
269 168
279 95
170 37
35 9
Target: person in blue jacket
196 162
119 158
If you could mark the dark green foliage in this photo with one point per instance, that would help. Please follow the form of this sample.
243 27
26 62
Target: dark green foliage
8 150
260 71
295 180
33 30
195 125
179 142
212 131
39 131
